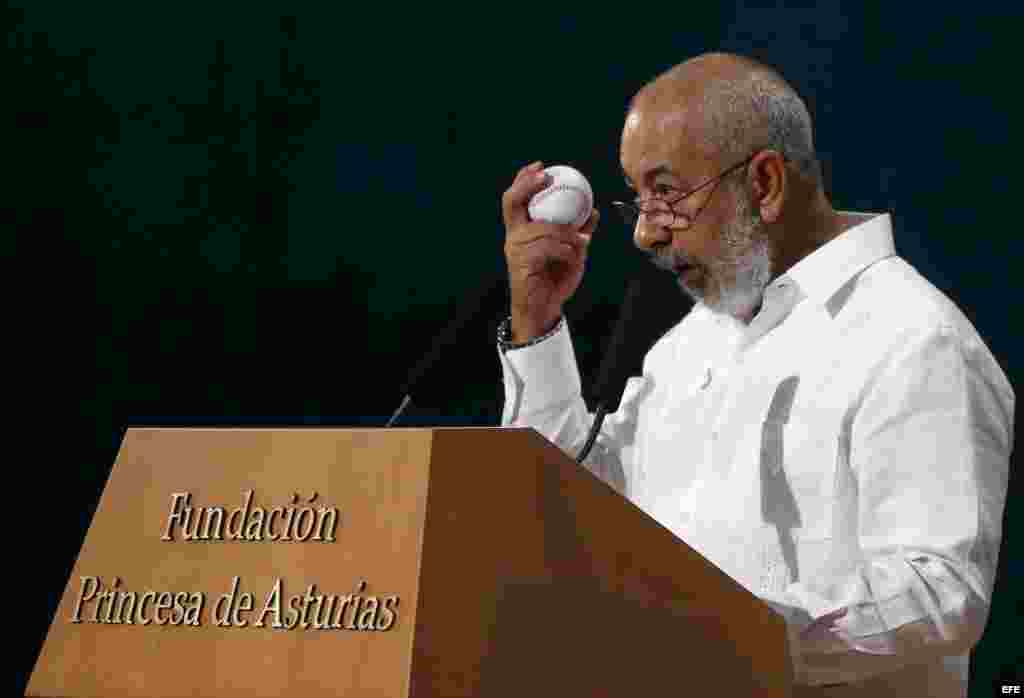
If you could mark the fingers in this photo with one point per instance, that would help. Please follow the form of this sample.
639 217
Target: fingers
563 232
591 225
535 166
543 252
569 245
532 246
529 180
528 234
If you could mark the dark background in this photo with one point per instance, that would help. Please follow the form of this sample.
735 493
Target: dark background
240 216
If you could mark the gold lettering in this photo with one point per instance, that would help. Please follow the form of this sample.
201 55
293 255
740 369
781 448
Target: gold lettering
273 604
293 618
326 515
194 610
84 595
218 528
175 515
368 616
143 619
388 615
345 601
355 610
299 535
289 514
186 534
120 602
127 616
244 604
100 598
254 529
111 597
307 602
178 614
271 533
163 603
225 604
243 514
323 617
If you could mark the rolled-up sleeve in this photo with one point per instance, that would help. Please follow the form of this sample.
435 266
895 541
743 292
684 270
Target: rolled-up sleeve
543 391
929 453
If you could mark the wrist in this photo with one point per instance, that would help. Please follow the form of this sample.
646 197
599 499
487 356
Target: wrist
506 342
525 329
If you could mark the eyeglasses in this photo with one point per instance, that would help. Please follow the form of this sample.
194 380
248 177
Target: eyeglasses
656 209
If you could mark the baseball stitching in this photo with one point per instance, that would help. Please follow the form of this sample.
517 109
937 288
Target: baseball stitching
562 187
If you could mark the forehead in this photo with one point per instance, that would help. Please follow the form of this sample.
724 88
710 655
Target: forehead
656 137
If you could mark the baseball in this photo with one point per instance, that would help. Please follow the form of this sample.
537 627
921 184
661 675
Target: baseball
568 199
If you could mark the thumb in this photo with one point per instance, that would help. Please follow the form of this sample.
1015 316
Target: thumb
515 203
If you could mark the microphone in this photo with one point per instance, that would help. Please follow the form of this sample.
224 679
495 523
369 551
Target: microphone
484 297
621 359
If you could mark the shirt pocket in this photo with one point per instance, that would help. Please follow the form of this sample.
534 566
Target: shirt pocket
798 460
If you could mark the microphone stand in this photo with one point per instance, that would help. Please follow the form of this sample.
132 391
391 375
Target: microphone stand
401 408
595 428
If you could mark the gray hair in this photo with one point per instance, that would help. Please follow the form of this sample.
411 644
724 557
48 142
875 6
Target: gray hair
760 112
756 109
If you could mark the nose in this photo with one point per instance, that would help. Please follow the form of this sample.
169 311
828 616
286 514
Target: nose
646 235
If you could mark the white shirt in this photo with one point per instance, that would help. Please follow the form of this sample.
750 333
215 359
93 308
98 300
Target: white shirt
846 452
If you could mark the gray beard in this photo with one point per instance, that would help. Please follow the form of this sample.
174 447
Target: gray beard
751 268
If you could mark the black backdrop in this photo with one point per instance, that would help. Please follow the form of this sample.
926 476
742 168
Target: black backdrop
245 216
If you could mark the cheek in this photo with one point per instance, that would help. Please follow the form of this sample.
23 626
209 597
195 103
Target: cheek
702 246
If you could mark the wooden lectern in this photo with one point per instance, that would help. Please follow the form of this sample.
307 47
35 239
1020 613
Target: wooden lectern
391 562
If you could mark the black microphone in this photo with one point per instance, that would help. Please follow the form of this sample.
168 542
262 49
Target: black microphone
486 296
643 325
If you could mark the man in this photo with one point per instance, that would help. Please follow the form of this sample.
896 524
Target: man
825 425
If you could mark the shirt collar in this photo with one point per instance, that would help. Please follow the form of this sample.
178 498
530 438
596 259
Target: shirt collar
825 270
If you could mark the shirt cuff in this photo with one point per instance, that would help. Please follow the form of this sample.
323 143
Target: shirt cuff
540 373
505 342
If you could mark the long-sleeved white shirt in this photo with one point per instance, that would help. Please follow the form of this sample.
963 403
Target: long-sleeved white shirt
844 457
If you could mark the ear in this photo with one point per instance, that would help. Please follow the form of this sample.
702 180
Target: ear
769 183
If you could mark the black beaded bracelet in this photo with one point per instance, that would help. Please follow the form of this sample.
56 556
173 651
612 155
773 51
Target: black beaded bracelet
505 335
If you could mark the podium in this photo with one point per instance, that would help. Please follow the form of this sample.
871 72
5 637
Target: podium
390 562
